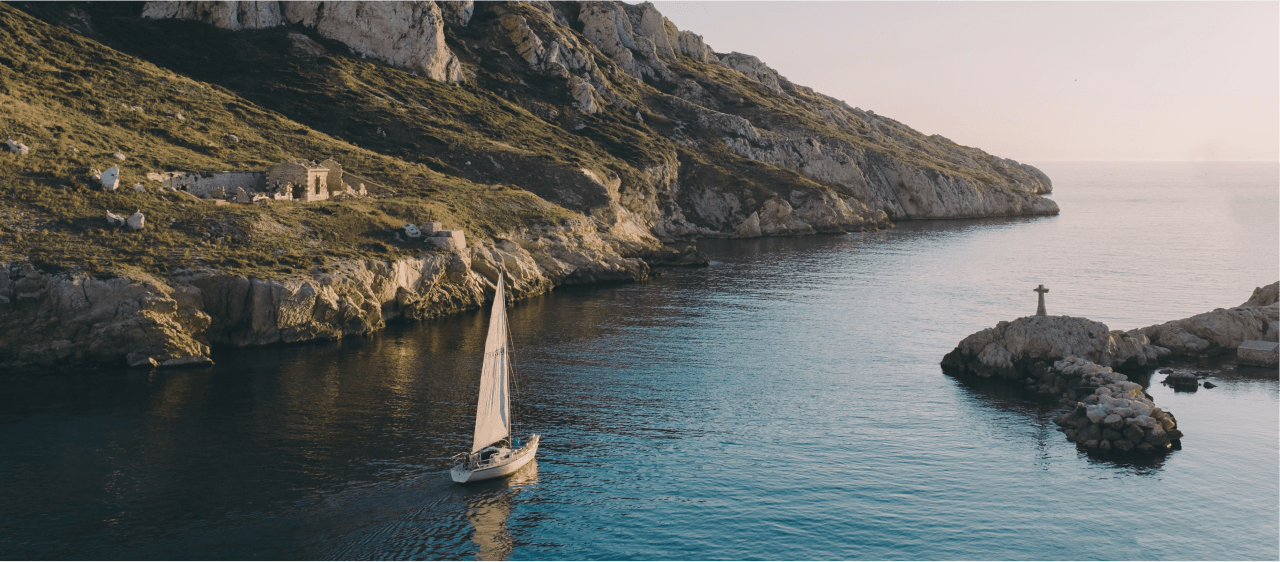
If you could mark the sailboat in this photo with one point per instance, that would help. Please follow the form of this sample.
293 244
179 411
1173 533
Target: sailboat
494 452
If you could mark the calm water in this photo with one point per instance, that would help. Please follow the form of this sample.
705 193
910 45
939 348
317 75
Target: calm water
785 402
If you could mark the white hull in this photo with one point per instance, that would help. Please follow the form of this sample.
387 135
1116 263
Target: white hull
501 467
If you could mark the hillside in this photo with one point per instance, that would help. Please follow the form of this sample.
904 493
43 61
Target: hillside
572 142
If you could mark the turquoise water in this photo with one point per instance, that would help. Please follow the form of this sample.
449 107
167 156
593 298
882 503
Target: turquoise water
785 402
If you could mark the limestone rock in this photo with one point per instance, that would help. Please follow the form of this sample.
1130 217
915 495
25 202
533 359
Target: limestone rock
457 12
17 147
1010 349
136 221
608 26
1220 331
1263 296
692 45
114 219
404 34
69 322
111 178
584 94
118 156
225 14
755 69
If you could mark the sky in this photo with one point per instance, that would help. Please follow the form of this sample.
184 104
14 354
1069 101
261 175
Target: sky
1032 81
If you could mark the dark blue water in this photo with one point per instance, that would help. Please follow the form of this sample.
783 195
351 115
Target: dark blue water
785 402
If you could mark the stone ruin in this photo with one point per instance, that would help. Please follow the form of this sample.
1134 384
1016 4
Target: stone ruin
299 180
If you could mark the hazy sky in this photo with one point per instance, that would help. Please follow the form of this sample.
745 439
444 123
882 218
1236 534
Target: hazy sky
1032 81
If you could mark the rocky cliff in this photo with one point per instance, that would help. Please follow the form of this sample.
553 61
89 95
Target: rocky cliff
73 321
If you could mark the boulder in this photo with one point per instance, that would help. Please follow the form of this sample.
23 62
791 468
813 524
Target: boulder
139 188
412 231
114 219
118 156
17 147
1182 381
136 221
111 178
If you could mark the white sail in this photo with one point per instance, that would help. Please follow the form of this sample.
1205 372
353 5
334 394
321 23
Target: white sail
493 413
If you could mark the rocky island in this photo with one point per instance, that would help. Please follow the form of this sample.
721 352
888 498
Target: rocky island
1075 360
566 142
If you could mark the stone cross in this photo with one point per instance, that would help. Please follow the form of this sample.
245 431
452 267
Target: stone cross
1040 307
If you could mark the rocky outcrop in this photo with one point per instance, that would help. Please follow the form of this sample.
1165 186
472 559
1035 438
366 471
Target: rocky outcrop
1222 330
1058 357
409 35
755 69
1026 346
63 321
1022 347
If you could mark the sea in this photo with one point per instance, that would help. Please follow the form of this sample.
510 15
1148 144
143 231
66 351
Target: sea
785 402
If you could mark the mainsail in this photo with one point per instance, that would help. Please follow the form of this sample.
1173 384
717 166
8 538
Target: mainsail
493 413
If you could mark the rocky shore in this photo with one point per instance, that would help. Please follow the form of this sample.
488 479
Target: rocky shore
1074 360
52 322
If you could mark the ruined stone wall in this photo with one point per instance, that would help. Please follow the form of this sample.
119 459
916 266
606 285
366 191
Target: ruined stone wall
203 184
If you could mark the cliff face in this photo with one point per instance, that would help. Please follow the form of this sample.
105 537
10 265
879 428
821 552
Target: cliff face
70 321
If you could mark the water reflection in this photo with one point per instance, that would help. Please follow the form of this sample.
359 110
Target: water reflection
489 507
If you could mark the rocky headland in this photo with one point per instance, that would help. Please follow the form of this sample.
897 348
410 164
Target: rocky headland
572 142
1074 360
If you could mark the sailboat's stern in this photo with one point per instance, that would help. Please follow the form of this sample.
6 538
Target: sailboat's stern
510 464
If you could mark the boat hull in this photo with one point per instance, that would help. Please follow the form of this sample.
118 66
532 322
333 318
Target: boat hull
518 459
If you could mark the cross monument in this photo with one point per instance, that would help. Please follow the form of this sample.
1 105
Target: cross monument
1040 307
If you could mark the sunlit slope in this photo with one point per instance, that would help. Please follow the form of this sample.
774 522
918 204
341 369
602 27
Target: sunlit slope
75 103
